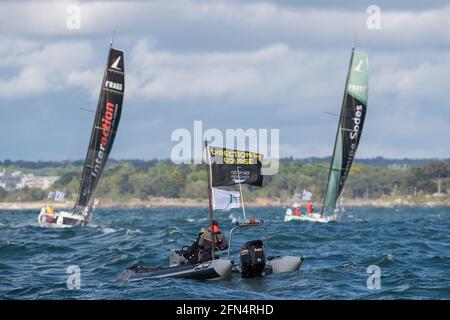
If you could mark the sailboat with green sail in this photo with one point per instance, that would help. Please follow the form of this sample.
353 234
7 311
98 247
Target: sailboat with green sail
350 126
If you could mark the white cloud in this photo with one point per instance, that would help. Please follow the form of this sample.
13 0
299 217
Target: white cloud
89 80
39 67
11 47
426 79
286 64
175 76
31 80
238 22
274 74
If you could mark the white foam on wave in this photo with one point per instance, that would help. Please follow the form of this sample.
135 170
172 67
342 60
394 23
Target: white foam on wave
131 232
234 219
108 230
120 258
402 287
174 230
390 257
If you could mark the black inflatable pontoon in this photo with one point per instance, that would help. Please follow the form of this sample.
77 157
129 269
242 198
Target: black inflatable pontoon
215 269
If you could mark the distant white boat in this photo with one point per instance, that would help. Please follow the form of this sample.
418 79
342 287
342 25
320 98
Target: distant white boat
310 217
62 219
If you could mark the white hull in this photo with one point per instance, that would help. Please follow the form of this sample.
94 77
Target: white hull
62 219
310 217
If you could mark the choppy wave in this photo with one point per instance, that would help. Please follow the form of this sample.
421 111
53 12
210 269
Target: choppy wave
409 245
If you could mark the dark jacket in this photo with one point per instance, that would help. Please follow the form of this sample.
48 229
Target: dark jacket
205 244
192 253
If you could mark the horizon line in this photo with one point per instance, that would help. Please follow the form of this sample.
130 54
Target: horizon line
281 159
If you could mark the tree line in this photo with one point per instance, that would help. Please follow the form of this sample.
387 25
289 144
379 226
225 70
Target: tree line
139 179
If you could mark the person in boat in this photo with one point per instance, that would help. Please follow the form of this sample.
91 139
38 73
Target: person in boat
205 244
50 215
309 208
87 212
297 212
191 254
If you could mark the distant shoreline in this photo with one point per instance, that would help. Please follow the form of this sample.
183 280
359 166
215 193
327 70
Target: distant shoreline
161 202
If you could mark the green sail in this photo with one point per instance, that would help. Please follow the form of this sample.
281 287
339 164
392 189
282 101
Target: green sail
350 127
358 81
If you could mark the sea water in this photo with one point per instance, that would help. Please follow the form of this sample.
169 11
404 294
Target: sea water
371 253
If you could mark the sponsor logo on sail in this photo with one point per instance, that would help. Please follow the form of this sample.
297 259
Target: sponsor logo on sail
356 122
353 135
113 85
106 124
357 88
115 64
358 66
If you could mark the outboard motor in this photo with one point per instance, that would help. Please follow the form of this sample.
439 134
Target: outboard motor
253 259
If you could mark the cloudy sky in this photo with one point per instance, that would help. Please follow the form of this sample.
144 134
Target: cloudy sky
232 64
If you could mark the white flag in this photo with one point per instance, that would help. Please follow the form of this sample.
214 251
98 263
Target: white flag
297 196
225 200
56 196
59 196
306 195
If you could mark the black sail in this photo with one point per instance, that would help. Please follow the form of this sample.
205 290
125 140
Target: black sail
105 126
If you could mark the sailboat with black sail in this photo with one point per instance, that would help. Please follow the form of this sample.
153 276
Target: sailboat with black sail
104 130
350 126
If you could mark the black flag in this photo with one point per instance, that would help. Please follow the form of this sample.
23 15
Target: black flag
230 167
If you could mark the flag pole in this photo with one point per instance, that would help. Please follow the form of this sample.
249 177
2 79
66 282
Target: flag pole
242 194
210 197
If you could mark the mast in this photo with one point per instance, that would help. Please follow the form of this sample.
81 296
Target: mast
344 101
242 194
210 196
112 38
